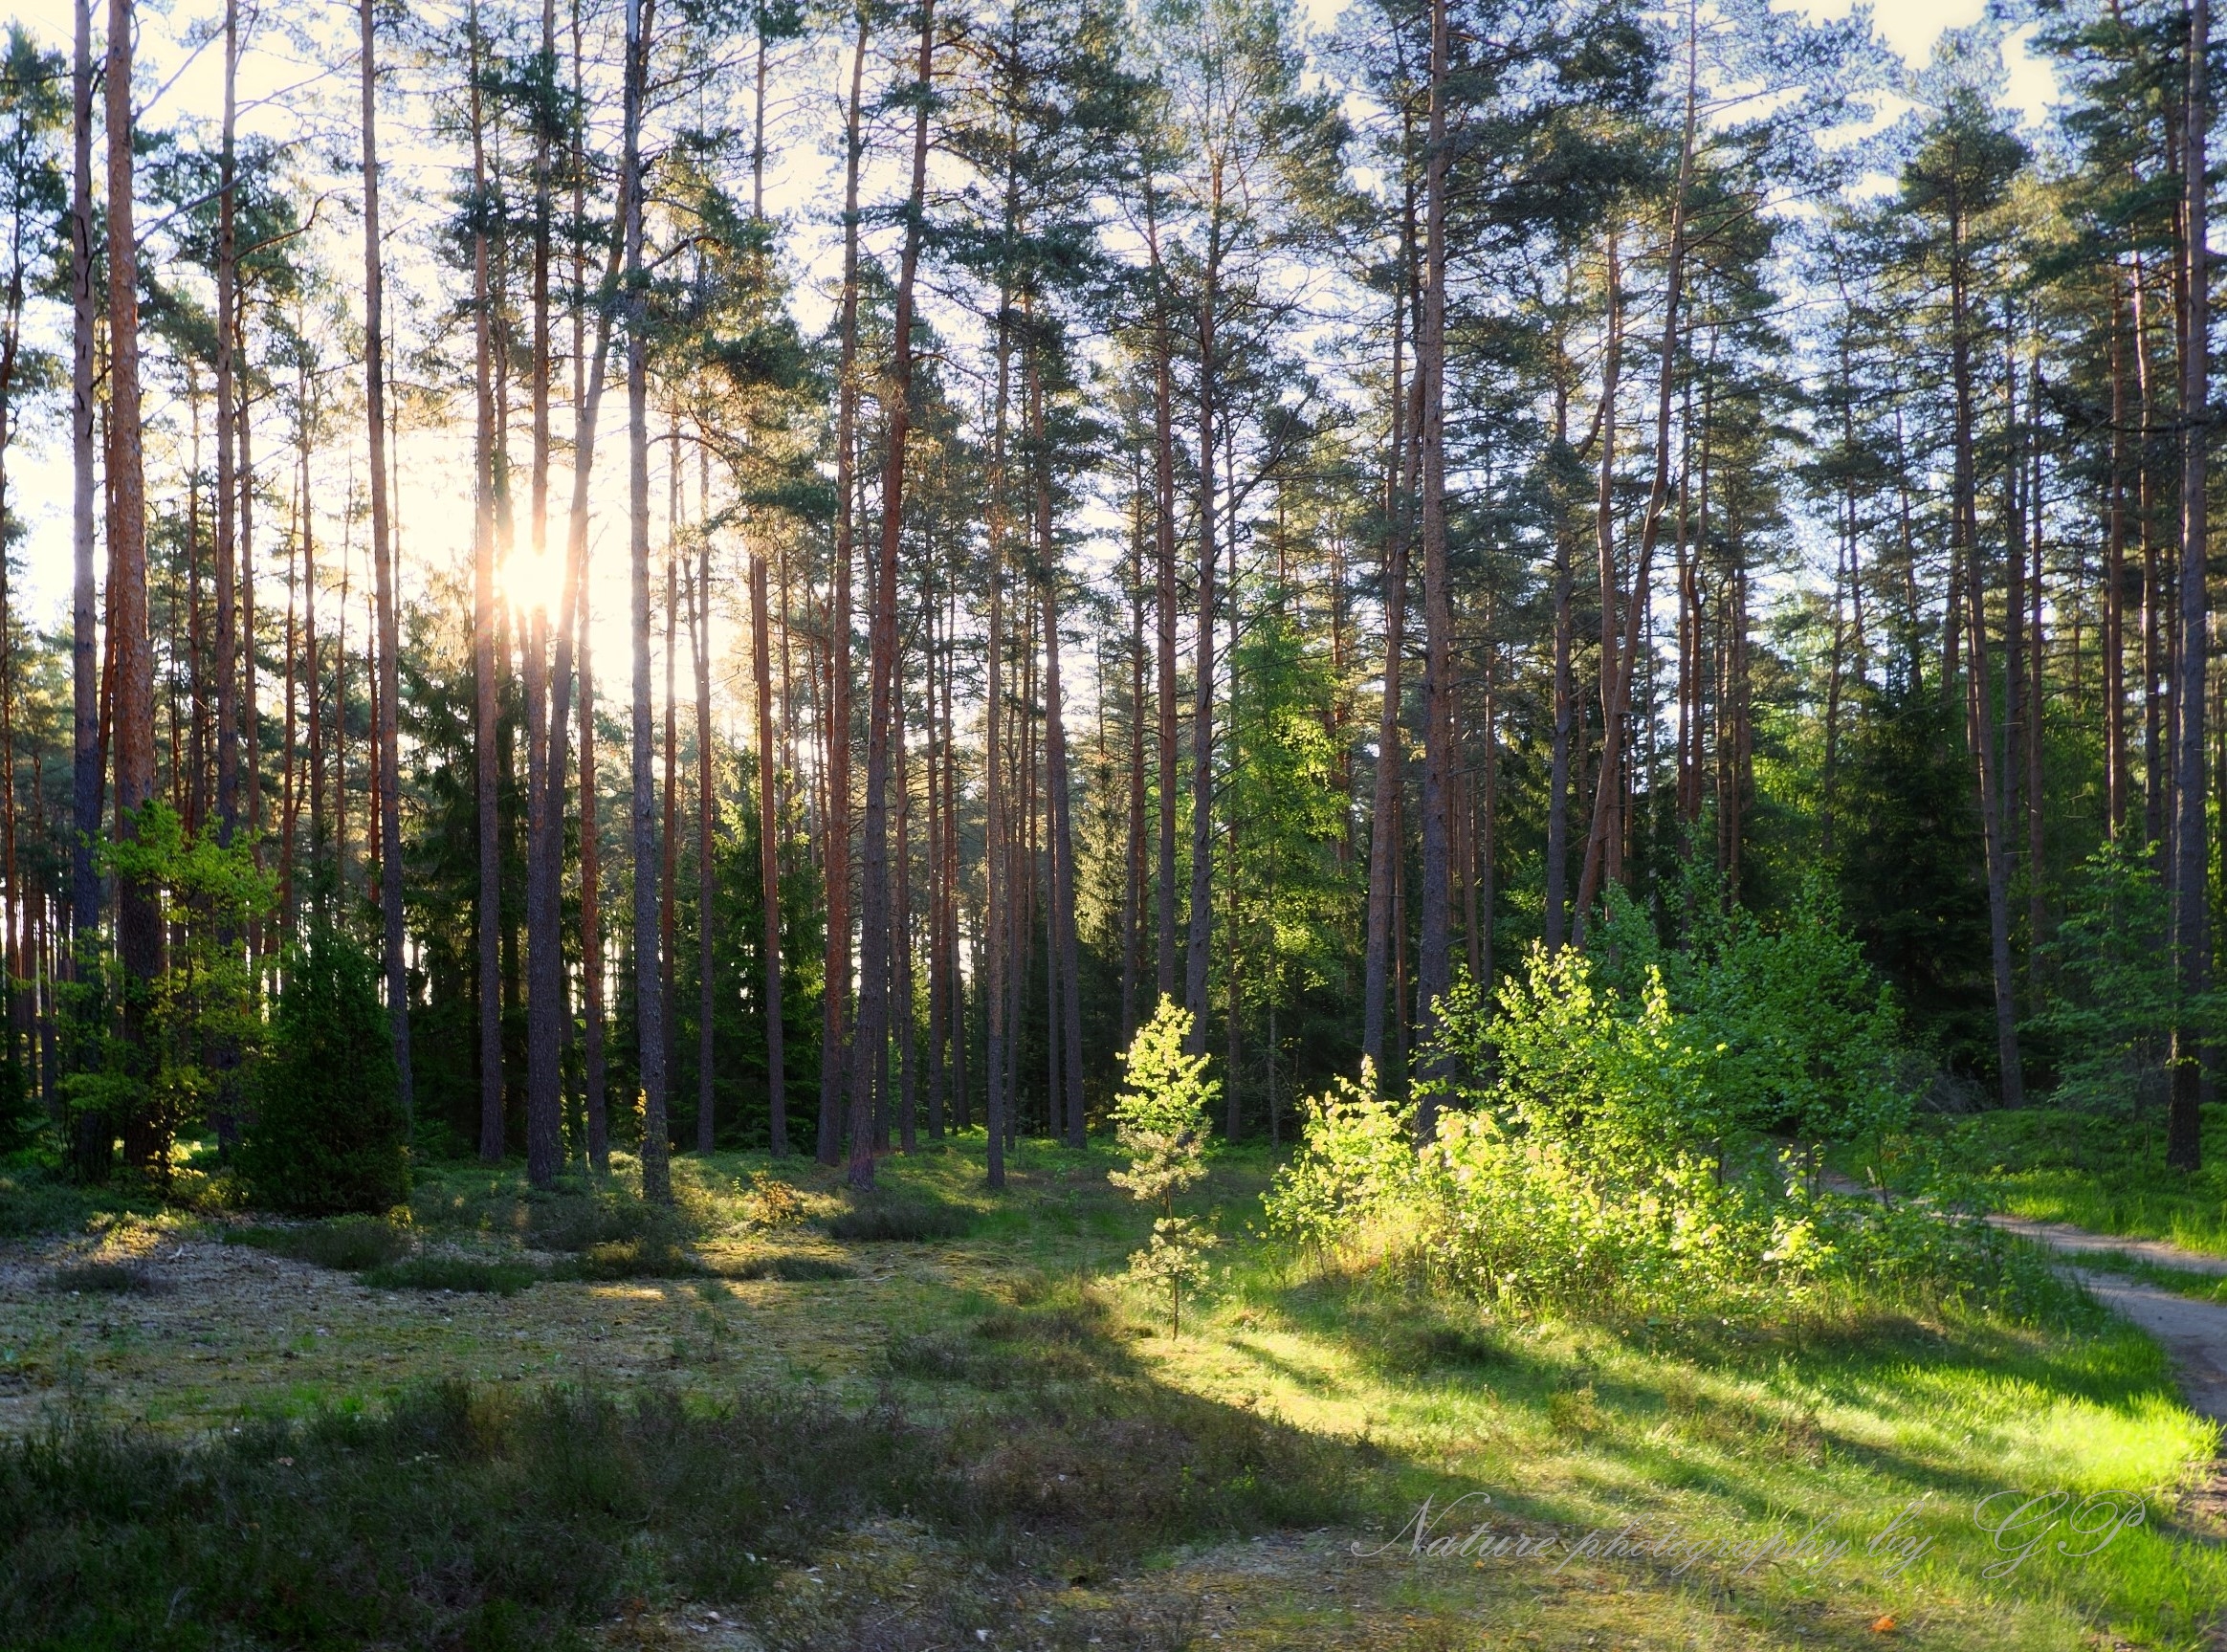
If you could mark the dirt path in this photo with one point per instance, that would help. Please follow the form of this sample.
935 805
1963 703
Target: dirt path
2194 1333
2073 1240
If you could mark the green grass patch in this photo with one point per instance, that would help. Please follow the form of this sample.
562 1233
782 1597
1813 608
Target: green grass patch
347 1244
901 1219
473 1517
2104 1173
453 1273
33 1202
575 1215
105 1278
955 1437
646 1258
796 1270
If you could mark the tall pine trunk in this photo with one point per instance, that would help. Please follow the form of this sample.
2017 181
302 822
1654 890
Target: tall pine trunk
1385 849
2184 1124
835 1055
649 978
228 641
546 1010
139 928
388 685
483 654
1603 853
1979 720
1434 965
707 983
84 614
870 1056
1066 1032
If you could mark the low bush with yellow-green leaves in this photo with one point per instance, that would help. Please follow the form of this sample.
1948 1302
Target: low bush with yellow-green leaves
1577 1143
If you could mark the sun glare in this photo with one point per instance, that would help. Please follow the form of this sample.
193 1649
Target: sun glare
533 581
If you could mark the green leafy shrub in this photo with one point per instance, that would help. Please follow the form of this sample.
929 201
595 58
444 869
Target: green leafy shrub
1606 1146
329 1133
348 1245
1353 1166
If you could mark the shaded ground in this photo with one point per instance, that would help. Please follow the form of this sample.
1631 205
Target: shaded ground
1043 1381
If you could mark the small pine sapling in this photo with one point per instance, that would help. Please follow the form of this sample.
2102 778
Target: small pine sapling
1161 1121
1161 1117
1176 1260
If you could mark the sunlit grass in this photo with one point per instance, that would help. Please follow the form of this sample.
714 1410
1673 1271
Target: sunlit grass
2105 1173
1847 1410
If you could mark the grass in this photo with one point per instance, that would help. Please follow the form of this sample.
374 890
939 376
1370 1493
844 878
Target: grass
913 1220
33 1202
105 1278
453 1273
796 1270
346 1243
2105 1173
991 1431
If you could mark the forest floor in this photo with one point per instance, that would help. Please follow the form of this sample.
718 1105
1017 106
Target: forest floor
1090 1479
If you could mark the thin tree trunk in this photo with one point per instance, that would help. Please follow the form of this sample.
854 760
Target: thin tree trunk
2115 592
594 1102
545 1009
1066 954
251 715
139 930
2036 845
1384 847
901 1017
667 917
707 985
1133 859
768 858
769 813
84 642
1607 829
870 1052
228 642
386 556
1557 856
1202 928
587 390
2184 1128
938 1023
997 921
1979 722
835 721
1163 477
649 979
1434 965
483 621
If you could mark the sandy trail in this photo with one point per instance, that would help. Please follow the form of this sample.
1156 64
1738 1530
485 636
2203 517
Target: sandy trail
2193 1332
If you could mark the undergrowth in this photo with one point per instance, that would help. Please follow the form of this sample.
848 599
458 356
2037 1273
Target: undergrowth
477 1517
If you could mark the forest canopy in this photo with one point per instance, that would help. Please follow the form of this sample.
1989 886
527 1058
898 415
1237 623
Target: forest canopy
779 576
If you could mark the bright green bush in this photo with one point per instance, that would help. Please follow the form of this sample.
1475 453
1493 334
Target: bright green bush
1356 1165
329 1133
1600 1147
